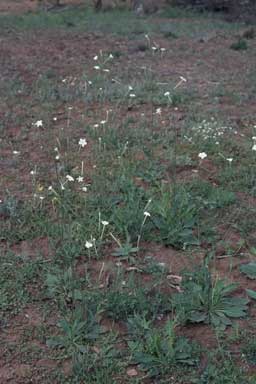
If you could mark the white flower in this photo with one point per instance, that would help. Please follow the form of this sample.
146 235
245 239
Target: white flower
254 138
106 70
88 244
96 67
162 49
254 147
202 155
96 126
41 197
103 122
154 48
16 152
57 157
33 172
158 111
147 214
167 93
50 188
111 56
183 79
132 95
89 82
95 58
104 223
54 118
229 159
80 179
38 123
82 142
69 178
84 189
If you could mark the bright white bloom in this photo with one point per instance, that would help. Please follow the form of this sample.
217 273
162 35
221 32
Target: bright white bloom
158 111
96 126
111 56
106 70
254 147
84 189
147 214
229 159
57 157
167 93
38 123
254 137
95 58
183 79
103 122
132 95
96 67
16 152
88 244
82 142
33 172
89 82
41 197
104 223
202 155
80 179
162 49
69 178
56 149
130 88
154 48
50 188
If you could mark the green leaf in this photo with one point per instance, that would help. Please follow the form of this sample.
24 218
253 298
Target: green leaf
249 269
251 293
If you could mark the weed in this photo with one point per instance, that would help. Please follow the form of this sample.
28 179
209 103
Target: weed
240 45
207 300
161 350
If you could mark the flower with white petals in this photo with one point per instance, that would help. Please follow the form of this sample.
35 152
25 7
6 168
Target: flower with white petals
229 159
95 58
202 155
105 223
70 178
84 189
16 152
167 93
103 122
82 142
97 67
158 111
38 123
254 147
88 244
132 95
80 179
146 214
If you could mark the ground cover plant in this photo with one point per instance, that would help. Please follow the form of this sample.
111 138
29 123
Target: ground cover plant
127 197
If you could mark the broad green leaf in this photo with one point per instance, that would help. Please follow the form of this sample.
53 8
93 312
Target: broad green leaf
251 293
